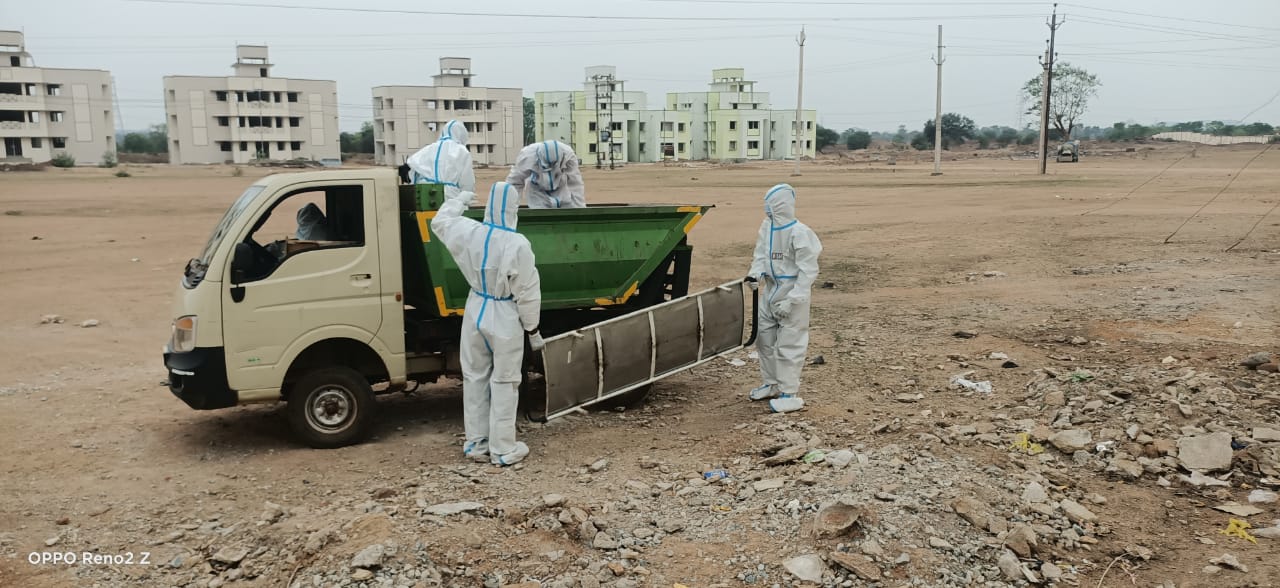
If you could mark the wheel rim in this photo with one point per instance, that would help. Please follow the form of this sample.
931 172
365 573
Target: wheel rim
330 409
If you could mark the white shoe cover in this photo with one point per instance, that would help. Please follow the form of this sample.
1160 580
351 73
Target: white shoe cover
786 404
514 457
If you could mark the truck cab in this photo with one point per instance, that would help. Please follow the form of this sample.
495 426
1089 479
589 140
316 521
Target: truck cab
317 288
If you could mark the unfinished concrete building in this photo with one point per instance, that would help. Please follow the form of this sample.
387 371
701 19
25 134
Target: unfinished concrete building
45 112
405 118
250 115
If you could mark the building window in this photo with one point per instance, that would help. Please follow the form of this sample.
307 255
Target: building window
733 145
808 144
292 96
491 148
680 127
490 126
753 125
262 72
391 126
773 125
295 121
680 147
642 147
279 145
54 89
59 142
391 104
55 116
279 122
667 127
295 145
753 145
224 121
33 116
224 145
808 125
275 97
37 143
15 61
431 104
642 127
239 96
591 126
591 148
773 145
615 126
220 95
733 125
244 145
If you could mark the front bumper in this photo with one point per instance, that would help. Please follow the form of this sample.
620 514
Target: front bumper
199 378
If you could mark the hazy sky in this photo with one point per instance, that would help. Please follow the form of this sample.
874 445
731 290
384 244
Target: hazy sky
867 64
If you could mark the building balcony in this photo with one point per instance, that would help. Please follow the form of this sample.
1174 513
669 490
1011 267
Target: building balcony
9 101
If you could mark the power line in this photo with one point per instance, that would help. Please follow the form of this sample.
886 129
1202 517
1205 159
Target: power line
1163 17
1257 222
1264 105
1215 197
575 16
1138 187
1124 24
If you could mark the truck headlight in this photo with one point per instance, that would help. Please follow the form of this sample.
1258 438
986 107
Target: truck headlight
183 339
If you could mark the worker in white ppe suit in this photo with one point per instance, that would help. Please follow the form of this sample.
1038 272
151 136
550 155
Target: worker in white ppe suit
447 161
312 225
785 266
503 307
549 175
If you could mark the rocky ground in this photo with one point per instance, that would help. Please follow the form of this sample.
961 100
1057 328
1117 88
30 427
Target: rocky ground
1029 400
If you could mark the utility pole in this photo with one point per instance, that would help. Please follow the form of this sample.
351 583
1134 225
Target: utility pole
937 115
1046 96
799 134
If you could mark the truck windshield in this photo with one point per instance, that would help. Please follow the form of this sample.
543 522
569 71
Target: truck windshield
196 268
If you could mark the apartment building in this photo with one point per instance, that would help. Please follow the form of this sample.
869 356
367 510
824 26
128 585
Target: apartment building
406 118
47 111
732 121
608 125
250 115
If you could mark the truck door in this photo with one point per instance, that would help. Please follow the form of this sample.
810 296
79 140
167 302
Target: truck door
312 276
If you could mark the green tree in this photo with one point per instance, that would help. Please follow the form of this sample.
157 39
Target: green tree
855 139
360 142
530 118
827 137
154 140
1073 87
956 129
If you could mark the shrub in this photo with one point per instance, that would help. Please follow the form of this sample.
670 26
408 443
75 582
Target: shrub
123 174
63 160
108 159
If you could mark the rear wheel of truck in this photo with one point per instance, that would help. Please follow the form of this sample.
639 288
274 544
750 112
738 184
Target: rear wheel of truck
331 407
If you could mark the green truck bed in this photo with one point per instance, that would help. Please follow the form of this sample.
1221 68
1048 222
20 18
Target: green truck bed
587 257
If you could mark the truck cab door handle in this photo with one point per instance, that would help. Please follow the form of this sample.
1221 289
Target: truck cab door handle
361 276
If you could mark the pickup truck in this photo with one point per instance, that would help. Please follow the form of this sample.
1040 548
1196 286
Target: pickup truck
371 301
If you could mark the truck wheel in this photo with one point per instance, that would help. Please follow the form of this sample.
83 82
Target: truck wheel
331 407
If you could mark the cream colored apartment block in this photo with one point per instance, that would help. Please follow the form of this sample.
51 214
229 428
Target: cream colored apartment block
734 121
406 118
47 111
251 115
607 125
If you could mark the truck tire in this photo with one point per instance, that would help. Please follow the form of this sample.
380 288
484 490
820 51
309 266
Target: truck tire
331 407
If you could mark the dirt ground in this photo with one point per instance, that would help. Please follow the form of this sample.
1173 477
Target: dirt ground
99 456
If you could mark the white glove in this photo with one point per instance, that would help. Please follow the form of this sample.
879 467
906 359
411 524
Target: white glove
783 309
535 341
466 196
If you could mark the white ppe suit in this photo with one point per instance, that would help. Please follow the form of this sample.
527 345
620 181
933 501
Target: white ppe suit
447 161
549 176
786 265
505 303
312 226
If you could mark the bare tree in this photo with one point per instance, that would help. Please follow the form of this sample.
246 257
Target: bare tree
1073 87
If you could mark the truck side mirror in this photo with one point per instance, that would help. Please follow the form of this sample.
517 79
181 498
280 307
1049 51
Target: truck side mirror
241 263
